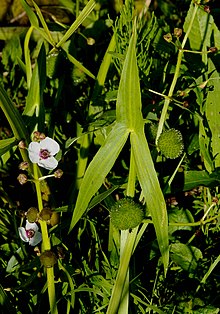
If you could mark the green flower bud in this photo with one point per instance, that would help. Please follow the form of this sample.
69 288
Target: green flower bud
32 214
48 259
126 214
170 143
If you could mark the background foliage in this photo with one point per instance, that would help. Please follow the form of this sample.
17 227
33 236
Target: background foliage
104 80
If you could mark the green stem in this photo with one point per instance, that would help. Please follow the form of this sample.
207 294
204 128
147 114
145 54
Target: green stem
176 75
120 295
46 245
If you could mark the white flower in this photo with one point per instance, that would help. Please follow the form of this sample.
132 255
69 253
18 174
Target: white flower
42 153
30 233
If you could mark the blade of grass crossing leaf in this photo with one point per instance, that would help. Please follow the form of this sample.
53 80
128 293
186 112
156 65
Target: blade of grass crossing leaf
98 169
147 177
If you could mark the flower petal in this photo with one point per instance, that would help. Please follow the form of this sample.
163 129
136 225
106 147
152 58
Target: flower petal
49 163
37 238
33 152
22 234
52 146
31 225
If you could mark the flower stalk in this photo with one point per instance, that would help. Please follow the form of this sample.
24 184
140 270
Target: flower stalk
46 244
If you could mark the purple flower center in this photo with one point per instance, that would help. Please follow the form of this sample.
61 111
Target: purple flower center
44 154
30 233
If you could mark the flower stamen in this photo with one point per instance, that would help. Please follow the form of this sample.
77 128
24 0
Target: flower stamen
30 233
44 154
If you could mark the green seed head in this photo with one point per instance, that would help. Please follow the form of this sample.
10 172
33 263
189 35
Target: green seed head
126 214
32 214
48 259
45 214
170 143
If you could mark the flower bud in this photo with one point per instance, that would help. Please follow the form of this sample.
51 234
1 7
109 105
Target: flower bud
48 259
23 165
168 37
32 214
58 173
22 178
22 144
177 32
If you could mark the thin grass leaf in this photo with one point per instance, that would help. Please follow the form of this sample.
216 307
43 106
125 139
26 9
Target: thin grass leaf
32 16
44 24
12 115
78 64
35 93
98 169
82 16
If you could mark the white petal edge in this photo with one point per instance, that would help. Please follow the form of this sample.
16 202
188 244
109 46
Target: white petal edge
31 225
49 163
22 234
33 152
51 145
37 238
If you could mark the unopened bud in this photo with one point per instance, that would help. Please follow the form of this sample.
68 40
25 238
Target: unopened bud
168 37
23 165
58 173
213 49
22 144
22 178
90 41
178 32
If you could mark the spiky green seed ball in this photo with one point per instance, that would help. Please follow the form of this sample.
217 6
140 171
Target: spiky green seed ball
170 143
126 214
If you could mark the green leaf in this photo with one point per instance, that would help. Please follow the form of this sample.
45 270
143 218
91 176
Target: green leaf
212 106
128 107
185 256
180 216
7 144
147 177
12 115
98 169
199 36
35 94
188 180
32 16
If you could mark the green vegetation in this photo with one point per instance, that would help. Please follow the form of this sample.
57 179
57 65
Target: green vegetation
110 156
